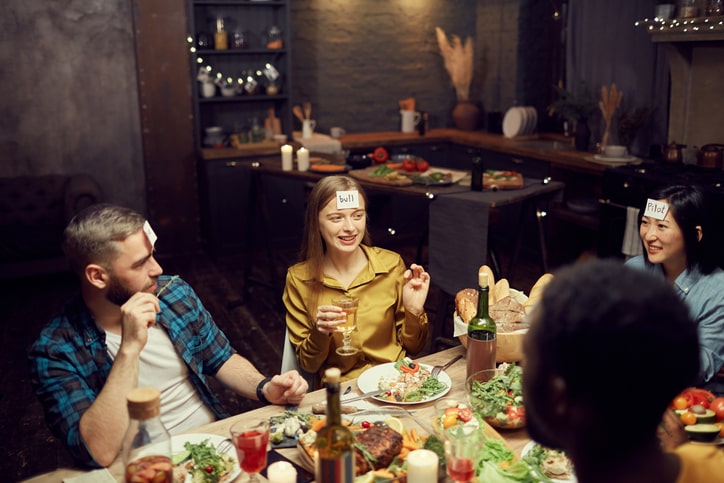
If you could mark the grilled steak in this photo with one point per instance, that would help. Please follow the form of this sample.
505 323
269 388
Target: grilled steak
381 445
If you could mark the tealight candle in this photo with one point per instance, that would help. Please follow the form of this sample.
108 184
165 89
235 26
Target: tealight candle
422 466
303 159
281 472
287 157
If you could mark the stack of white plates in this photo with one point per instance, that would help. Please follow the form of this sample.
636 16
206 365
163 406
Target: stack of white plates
520 121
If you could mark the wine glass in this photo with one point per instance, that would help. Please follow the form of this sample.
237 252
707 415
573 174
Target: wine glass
251 440
463 445
349 305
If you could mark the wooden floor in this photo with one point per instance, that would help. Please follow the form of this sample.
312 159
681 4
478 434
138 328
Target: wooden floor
253 323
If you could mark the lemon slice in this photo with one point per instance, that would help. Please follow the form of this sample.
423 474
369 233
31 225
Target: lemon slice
368 477
395 424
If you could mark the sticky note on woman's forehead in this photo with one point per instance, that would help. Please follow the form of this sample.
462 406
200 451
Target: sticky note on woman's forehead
347 199
150 233
656 209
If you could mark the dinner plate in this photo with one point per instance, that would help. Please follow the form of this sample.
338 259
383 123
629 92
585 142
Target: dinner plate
178 441
716 442
528 447
614 159
369 381
513 122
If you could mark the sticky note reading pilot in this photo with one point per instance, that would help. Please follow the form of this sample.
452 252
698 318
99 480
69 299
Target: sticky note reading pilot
656 209
347 199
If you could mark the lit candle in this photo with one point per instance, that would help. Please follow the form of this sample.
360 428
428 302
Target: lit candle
303 159
422 466
287 157
281 472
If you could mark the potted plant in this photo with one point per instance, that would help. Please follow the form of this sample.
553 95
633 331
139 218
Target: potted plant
575 107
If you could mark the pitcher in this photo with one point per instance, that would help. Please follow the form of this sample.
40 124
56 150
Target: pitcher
409 120
308 126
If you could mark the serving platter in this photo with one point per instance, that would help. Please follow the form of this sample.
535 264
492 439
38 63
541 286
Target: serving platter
529 447
364 175
369 381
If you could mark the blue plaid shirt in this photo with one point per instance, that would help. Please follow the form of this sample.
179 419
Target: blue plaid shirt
69 363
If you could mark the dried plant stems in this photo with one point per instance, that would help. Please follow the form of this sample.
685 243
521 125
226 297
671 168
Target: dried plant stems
608 104
458 58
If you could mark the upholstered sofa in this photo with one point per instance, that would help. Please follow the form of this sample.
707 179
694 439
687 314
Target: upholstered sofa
33 213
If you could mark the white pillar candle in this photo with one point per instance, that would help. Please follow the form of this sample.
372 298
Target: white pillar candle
281 472
422 466
303 159
287 157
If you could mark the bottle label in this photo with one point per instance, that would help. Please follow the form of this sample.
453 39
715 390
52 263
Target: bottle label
337 470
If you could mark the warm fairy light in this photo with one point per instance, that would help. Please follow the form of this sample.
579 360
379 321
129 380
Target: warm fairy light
691 25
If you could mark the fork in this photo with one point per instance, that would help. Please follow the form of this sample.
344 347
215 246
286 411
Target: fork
224 446
436 370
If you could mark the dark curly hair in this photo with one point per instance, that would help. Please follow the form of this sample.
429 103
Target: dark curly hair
614 334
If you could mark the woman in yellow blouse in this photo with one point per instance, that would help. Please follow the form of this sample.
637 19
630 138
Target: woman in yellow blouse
337 261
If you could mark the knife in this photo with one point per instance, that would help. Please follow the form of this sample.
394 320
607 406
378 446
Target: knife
321 408
364 396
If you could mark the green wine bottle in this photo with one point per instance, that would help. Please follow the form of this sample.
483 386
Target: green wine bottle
335 442
482 333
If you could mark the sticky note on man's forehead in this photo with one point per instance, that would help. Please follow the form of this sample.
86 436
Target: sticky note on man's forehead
656 209
150 233
347 199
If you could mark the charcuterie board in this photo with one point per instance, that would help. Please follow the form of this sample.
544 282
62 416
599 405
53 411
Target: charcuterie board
393 179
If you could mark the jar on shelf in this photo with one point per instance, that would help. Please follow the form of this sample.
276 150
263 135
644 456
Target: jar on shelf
688 9
273 38
203 40
239 40
221 38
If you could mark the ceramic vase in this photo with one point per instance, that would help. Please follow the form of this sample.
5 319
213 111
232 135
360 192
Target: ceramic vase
466 115
208 89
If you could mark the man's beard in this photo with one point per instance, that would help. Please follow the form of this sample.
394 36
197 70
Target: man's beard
117 292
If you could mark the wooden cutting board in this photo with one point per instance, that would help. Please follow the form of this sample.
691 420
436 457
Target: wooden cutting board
364 175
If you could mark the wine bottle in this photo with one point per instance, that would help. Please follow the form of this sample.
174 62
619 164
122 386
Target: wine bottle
335 442
482 333
476 174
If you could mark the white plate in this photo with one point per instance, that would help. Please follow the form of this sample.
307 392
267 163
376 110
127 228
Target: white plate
513 122
178 441
369 381
528 447
532 120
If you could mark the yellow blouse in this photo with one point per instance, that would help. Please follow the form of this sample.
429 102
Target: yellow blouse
385 332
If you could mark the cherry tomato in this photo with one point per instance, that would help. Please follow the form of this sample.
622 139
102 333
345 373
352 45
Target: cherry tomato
688 418
365 424
512 412
422 165
465 415
452 410
409 164
681 403
209 469
717 405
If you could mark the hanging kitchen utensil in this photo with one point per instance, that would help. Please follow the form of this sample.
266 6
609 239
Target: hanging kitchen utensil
307 110
297 110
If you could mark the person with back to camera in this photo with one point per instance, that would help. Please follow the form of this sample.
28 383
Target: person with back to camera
677 233
601 333
132 326
338 260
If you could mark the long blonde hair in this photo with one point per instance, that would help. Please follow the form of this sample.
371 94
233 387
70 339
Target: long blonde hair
313 245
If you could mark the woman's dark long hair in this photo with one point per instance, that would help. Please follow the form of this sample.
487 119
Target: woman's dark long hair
688 207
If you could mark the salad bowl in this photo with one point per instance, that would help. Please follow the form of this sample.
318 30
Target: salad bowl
497 396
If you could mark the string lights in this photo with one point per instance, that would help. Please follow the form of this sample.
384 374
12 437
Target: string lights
698 25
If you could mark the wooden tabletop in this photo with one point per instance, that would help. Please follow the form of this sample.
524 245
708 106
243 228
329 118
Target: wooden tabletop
515 439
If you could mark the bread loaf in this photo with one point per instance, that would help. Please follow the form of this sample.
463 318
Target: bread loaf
537 292
502 290
491 283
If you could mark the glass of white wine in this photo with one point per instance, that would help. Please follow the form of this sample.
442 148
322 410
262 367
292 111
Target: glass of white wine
349 305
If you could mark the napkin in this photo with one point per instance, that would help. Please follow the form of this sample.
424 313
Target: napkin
631 245
96 476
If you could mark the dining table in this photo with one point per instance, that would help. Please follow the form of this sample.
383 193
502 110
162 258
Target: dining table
515 439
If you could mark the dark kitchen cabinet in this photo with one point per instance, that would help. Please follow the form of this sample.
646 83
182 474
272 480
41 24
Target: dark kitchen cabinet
257 37
238 204
461 158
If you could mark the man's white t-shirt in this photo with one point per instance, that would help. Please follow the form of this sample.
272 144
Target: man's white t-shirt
161 367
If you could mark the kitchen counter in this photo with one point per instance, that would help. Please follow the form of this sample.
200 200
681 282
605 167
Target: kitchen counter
555 149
